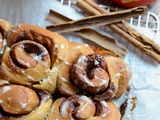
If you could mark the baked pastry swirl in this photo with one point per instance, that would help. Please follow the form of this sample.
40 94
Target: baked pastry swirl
22 103
36 63
4 29
33 56
81 107
92 71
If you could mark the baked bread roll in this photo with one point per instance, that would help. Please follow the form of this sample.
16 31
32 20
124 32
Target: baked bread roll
81 107
33 56
89 70
22 103
36 63
4 29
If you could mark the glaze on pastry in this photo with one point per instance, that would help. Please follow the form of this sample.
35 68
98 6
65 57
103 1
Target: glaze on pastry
36 62
92 71
4 29
81 107
33 56
18 102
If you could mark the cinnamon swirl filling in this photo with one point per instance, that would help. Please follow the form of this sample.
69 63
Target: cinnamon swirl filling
81 107
4 29
18 99
90 74
77 107
19 102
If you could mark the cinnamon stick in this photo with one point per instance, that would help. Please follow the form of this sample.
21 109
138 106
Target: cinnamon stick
96 20
140 41
104 41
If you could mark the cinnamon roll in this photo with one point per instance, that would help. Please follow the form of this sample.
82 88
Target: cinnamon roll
22 103
81 107
74 51
4 29
33 56
36 62
94 72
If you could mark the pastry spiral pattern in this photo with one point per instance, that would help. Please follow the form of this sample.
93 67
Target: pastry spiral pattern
18 102
4 29
36 64
94 72
81 107
32 57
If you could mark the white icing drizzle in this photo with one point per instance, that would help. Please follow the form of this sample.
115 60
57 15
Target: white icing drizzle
102 81
22 71
6 89
8 69
50 81
62 46
21 34
45 98
86 99
96 62
45 64
118 75
39 57
55 53
1 101
40 112
85 79
39 37
17 75
84 106
26 63
63 79
67 63
8 98
64 109
81 59
78 47
30 77
19 26
14 31
86 45
55 46
3 46
78 66
1 40
104 104
23 105
86 102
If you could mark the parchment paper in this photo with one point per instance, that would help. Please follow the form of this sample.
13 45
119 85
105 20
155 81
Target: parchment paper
144 95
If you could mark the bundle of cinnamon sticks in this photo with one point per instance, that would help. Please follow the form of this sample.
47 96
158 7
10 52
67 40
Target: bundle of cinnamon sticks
140 41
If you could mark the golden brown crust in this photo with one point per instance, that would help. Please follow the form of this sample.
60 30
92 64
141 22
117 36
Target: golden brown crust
39 66
4 29
79 107
119 78
22 103
74 51
5 26
113 113
44 61
82 71
55 44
